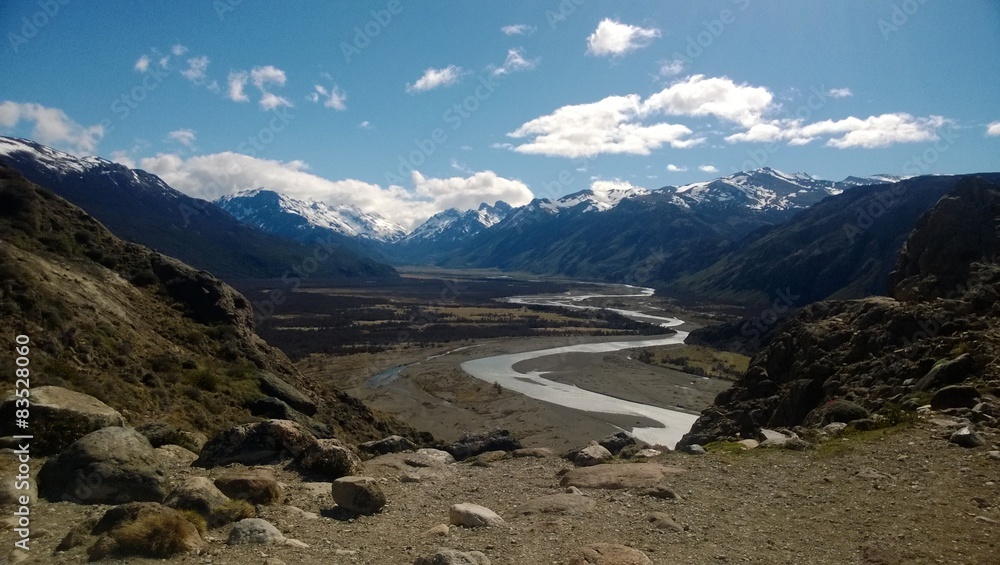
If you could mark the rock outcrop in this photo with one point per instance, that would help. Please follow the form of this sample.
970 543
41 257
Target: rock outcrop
59 417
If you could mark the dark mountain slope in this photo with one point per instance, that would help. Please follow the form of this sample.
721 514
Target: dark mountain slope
145 333
140 207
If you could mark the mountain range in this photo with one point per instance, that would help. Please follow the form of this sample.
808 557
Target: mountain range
736 239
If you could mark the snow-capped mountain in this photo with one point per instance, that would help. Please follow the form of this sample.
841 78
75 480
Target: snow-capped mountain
453 224
762 189
601 197
139 207
298 219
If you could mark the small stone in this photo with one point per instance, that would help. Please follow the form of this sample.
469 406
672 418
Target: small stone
438 530
391 444
664 522
994 455
834 428
591 455
608 554
647 453
749 443
573 490
473 516
361 495
538 452
296 543
255 531
617 442
433 455
453 557
693 449
967 437
663 493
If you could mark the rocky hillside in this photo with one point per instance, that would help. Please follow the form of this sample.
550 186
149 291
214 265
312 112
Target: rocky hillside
145 333
877 358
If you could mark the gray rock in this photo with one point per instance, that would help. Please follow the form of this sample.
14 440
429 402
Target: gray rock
834 428
538 452
109 466
272 385
59 417
473 516
664 522
162 433
967 437
693 449
198 494
259 443
453 557
617 442
946 373
391 444
591 455
254 486
608 554
955 396
329 458
429 457
255 531
361 495
474 444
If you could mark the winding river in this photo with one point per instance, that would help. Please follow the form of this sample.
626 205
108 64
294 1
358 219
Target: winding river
500 369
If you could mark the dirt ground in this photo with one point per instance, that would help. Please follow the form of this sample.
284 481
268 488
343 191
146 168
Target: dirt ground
905 497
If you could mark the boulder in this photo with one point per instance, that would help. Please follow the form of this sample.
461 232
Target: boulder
271 385
254 486
277 409
955 396
557 504
617 442
474 444
591 455
608 476
428 457
967 437
840 410
946 373
473 516
109 466
453 557
391 444
59 417
608 554
198 494
329 458
255 531
259 443
360 495
175 457
162 433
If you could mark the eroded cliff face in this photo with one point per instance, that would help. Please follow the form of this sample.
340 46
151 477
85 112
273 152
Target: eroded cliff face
941 328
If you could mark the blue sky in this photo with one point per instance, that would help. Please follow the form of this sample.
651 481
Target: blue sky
407 107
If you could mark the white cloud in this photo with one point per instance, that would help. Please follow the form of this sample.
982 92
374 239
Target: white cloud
715 96
993 129
178 50
612 38
196 69
269 74
518 29
185 137
142 64
237 82
215 175
366 125
839 93
434 78
671 67
270 101
331 98
675 169
123 158
51 126
875 131
515 62
708 168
